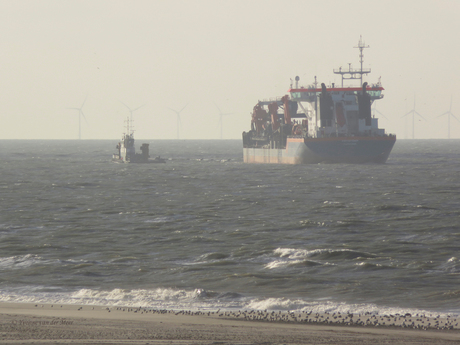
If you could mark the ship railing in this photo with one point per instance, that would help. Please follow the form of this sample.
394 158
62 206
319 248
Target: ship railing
348 135
351 71
272 99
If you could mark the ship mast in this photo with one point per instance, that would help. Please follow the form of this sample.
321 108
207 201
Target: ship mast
361 46
355 73
129 126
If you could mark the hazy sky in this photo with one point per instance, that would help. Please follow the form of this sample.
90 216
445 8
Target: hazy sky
203 53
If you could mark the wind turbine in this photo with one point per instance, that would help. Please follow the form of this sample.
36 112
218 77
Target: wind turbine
449 114
221 115
413 112
178 118
80 114
131 111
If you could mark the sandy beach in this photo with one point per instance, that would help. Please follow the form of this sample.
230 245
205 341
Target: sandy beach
22 323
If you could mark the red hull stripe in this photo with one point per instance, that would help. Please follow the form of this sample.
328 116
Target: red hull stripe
337 89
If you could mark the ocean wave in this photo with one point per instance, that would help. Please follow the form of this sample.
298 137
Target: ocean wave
197 299
323 306
312 223
213 256
322 253
452 265
310 258
279 263
372 266
30 260
334 204
20 261
159 298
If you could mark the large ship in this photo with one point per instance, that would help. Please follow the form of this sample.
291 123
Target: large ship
288 129
126 152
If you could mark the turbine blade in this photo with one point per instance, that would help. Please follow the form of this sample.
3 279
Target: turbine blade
217 108
379 112
416 112
183 108
174 110
410 112
447 112
81 112
84 101
138 108
126 106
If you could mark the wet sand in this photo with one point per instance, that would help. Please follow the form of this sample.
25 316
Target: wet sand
24 323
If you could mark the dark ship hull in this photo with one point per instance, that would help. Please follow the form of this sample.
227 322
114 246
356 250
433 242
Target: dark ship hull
347 150
138 160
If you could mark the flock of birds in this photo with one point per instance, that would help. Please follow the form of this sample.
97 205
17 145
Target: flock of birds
349 319
417 321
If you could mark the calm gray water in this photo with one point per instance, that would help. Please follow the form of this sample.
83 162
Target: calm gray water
206 231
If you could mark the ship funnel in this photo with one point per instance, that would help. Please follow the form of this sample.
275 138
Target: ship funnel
364 105
326 107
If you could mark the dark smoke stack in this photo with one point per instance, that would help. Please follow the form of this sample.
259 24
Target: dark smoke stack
364 103
326 107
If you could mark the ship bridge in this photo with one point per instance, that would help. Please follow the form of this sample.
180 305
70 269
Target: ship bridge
309 94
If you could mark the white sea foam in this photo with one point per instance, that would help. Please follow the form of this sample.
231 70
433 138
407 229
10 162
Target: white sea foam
20 261
291 256
331 307
198 299
278 263
160 220
156 298
292 253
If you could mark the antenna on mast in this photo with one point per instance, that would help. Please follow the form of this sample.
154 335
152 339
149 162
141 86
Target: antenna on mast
129 126
361 46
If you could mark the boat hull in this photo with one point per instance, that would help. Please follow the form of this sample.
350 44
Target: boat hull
148 161
349 150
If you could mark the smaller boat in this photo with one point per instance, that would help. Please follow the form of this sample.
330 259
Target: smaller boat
158 159
126 152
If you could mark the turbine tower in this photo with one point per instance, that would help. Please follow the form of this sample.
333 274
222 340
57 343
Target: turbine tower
80 114
178 118
414 112
221 115
131 111
449 114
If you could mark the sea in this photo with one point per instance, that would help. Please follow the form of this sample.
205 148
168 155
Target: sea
205 231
